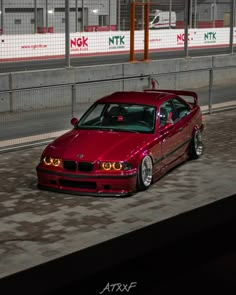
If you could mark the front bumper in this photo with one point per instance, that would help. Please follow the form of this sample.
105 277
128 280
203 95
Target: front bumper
101 184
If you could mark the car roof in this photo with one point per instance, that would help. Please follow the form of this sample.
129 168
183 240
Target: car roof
137 97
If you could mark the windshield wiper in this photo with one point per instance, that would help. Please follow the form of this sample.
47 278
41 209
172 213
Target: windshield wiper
121 130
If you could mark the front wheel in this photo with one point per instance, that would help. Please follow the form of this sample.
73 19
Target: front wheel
196 147
144 179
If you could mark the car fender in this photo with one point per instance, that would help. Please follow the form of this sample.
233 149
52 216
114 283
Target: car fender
197 128
143 154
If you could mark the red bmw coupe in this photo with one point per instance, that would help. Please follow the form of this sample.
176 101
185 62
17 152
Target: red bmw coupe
123 143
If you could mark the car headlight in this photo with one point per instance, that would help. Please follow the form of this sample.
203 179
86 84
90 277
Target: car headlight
115 166
56 162
106 166
50 161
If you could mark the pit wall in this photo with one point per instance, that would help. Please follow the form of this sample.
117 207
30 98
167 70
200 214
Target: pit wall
42 89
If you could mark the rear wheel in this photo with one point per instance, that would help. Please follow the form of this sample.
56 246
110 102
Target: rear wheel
196 147
144 179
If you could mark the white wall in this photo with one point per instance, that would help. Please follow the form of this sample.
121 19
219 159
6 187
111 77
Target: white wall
91 43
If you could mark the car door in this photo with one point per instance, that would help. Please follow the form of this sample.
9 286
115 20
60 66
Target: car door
170 140
155 147
181 118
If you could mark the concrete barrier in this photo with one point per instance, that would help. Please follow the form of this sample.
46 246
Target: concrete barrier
42 89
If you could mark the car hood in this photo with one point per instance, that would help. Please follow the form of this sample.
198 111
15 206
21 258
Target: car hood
90 145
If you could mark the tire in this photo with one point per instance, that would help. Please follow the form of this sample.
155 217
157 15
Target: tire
196 146
144 178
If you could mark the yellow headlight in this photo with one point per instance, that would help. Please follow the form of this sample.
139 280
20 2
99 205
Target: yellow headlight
51 161
111 166
117 166
56 162
106 165
47 161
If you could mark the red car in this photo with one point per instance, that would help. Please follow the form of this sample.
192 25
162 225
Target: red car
123 143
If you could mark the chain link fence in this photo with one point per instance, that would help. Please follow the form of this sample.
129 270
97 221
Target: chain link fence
49 29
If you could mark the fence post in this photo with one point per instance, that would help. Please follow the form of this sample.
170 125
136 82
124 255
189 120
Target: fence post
210 90
2 16
67 32
150 79
76 16
186 23
146 31
109 12
232 20
35 16
132 28
11 93
118 15
73 100
82 29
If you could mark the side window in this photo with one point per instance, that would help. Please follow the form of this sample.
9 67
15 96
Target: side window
166 113
181 108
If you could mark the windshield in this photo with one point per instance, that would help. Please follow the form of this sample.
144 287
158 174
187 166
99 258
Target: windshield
154 18
151 18
119 117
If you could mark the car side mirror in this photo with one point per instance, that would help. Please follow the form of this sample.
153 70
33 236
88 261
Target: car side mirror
74 121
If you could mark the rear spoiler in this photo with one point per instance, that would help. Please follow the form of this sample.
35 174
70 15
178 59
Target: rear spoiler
177 92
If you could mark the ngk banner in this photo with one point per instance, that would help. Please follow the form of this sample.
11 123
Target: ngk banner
51 45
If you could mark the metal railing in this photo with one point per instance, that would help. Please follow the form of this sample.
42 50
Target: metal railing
39 30
32 121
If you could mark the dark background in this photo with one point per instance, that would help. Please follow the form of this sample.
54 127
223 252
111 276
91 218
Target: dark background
191 253
202 262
